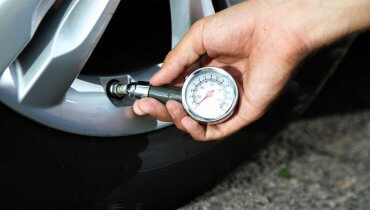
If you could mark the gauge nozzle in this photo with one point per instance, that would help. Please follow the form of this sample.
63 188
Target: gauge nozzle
138 89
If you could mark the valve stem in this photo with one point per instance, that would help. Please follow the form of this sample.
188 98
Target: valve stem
118 90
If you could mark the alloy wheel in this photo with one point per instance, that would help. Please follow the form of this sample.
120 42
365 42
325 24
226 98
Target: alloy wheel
43 53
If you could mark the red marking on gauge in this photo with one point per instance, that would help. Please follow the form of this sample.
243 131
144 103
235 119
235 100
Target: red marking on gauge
208 94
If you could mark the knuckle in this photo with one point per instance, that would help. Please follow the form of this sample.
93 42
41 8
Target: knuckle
198 25
169 56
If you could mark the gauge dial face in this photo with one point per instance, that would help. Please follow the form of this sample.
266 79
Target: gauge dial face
209 94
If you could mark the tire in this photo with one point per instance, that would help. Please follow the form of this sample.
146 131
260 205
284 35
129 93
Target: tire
42 168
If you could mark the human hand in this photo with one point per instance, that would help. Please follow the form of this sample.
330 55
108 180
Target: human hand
258 42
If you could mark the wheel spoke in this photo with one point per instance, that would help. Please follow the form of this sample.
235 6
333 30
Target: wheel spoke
18 22
54 59
184 13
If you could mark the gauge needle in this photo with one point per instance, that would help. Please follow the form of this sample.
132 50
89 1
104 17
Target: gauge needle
208 94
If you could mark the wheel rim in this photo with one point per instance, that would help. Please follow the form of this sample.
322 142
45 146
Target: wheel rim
40 78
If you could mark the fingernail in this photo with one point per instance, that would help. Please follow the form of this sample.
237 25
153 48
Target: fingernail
139 109
185 122
170 109
171 114
143 107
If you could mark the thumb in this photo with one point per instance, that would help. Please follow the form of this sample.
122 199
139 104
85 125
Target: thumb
186 52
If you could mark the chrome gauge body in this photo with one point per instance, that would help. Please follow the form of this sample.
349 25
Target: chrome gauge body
209 95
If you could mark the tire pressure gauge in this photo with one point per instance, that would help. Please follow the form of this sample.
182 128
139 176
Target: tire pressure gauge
209 94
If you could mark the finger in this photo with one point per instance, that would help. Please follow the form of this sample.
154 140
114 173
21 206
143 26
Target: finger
177 112
196 130
201 132
187 52
154 108
179 81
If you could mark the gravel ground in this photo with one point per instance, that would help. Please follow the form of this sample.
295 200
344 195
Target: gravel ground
321 161
327 167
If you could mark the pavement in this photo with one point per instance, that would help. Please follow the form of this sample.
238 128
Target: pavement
321 161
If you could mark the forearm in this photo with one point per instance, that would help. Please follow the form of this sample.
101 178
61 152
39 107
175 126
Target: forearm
317 22
330 20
